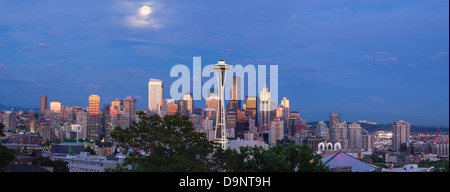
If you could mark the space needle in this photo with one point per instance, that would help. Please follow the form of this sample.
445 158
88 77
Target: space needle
221 69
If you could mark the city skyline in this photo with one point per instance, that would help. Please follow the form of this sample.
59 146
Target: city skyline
383 61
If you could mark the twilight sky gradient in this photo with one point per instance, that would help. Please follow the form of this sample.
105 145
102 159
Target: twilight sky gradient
373 60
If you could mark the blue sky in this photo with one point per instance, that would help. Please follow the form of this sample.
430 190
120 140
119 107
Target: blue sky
373 60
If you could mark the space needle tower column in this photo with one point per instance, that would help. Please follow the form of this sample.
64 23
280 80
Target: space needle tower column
221 68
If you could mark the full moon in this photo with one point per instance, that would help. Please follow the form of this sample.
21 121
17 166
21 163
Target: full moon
144 11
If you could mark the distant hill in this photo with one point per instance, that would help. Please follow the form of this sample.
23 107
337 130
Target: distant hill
24 109
388 127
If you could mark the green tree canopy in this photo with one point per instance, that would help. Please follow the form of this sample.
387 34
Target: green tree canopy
298 158
164 144
90 150
6 155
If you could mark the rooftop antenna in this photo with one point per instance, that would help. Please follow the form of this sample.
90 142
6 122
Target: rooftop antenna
221 53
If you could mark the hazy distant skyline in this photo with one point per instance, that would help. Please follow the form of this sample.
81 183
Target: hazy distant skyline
368 60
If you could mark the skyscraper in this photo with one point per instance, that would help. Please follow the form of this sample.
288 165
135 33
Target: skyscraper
251 109
9 120
338 133
189 102
117 104
55 106
43 104
264 110
321 130
106 121
354 136
285 115
129 106
236 89
182 108
334 119
94 104
400 134
276 131
212 102
155 96
94 118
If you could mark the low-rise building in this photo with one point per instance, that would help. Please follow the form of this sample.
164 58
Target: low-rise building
84 162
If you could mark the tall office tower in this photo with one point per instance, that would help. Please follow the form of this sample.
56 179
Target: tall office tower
334 119
212 102
338 133
129 106
55 121
81 119
46 132
368 142
286 115
55 106
400 134
210 114
190 102
233 105
117 104
94 118
279 112
231 124
114 117
43 103
235 91
252 126
221 70
9 120
276 131
231 119
196 120
172 108
294 114
155 96
208 127
106 122
321 130
182 108
242 123
354 136
264 110
251 109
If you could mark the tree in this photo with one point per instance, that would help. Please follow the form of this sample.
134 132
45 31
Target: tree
58 165
298 158
90 150
439 166
164 144
6 155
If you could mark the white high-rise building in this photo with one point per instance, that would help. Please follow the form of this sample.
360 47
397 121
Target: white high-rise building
155 96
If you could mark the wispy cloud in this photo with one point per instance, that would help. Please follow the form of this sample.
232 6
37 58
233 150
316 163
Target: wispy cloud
299 44
381 58
374 99
439 55
142 40
38 46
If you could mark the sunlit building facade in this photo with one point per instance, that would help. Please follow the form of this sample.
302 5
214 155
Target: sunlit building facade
155 96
